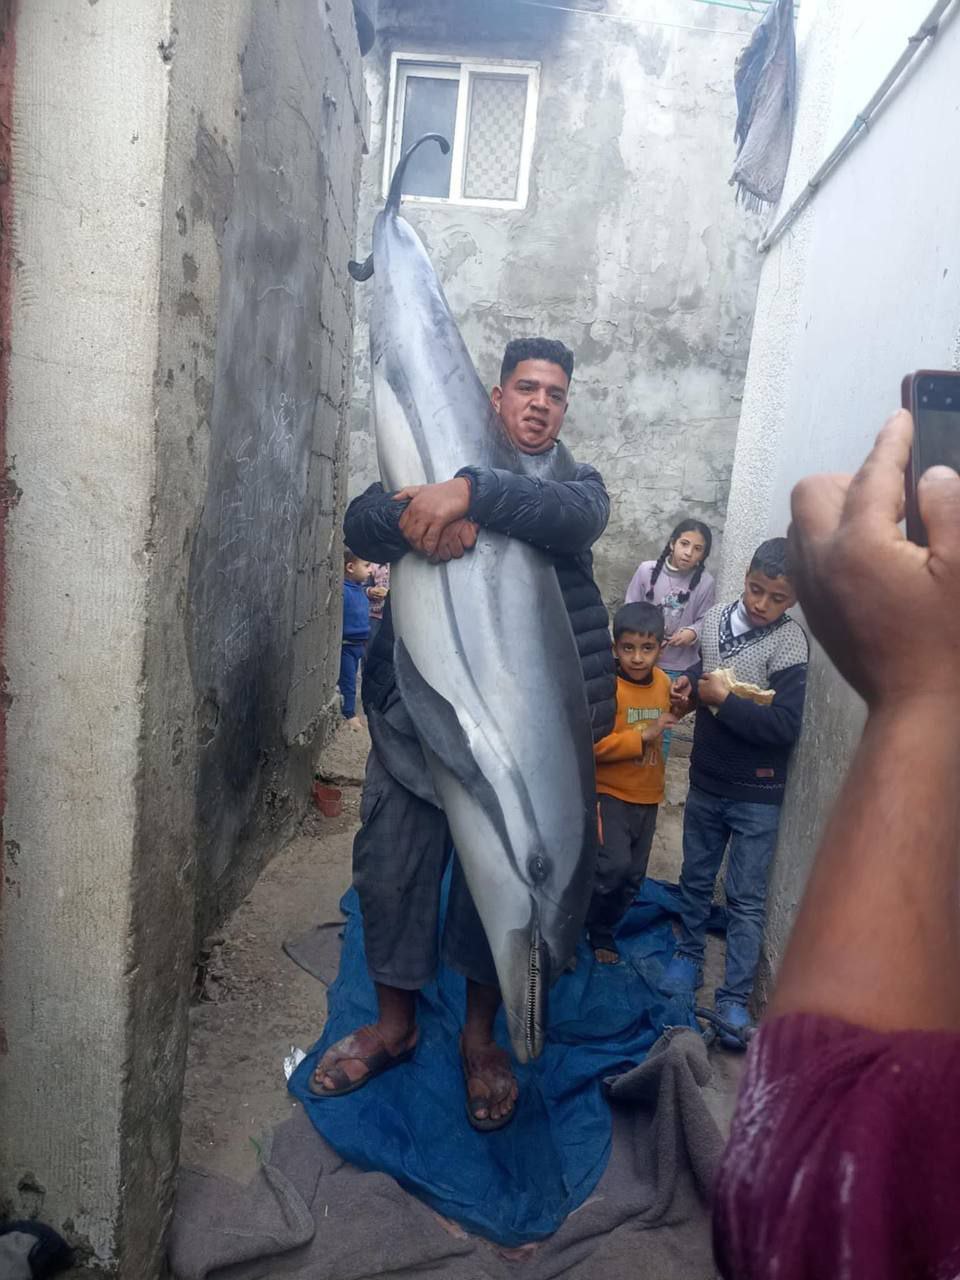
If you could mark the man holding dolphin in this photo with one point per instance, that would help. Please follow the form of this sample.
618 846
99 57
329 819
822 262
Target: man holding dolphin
402 848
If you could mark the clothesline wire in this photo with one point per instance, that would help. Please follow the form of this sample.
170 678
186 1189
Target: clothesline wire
637 22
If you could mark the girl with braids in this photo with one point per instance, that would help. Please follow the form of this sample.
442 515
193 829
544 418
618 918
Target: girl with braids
679 583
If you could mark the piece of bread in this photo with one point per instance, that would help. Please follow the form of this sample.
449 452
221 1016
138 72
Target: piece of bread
742 689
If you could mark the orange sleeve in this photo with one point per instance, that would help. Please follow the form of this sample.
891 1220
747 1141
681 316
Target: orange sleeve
624 744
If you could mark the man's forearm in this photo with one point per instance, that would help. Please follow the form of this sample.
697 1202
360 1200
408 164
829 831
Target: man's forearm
371 526
877 940
564 516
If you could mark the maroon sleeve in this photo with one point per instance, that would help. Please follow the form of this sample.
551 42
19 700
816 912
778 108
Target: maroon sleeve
844 1157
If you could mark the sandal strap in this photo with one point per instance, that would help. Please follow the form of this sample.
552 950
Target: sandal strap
491 1067
364 1058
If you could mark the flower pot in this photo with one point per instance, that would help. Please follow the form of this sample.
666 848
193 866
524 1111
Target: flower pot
329 800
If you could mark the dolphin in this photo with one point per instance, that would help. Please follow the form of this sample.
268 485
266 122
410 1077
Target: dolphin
485 656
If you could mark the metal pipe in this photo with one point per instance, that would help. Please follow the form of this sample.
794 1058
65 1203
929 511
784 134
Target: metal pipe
927 30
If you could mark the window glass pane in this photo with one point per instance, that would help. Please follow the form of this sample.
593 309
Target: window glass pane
494 137
430 106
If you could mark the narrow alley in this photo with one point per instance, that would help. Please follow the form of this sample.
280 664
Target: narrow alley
436 427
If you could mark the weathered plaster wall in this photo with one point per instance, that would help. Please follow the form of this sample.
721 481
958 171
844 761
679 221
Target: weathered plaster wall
631 249
80 439
180 351
861 291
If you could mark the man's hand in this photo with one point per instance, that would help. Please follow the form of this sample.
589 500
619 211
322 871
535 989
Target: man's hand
376 593
432 508
685 637
712 690
885 610
456 539
681 697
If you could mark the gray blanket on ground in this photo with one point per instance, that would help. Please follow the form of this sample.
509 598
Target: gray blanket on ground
318 950
307 1214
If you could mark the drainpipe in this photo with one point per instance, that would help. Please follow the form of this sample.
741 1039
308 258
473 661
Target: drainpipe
925 34
8 490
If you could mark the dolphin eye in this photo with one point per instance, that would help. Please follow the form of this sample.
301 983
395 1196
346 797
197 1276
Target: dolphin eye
539 868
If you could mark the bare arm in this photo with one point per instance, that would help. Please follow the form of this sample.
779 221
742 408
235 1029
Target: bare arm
877 939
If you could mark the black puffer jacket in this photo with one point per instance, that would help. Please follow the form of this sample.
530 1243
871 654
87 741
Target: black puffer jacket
562 517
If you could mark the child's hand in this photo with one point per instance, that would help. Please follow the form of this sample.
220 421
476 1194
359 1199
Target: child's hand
656 728
684 638
376 593
712 690
681 694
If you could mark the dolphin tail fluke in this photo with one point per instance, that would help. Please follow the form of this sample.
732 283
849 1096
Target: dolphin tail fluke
364 270
396 186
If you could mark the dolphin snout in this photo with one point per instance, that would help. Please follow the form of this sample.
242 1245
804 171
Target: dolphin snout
525 984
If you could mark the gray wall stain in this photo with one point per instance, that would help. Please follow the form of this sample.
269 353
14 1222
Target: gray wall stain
214 177
264 608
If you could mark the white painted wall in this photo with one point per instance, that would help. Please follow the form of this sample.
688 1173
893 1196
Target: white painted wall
89 135
864 288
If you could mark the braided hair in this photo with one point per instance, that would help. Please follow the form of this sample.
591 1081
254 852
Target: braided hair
685 526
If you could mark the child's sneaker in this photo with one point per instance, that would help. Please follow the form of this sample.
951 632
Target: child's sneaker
681 977
736 1015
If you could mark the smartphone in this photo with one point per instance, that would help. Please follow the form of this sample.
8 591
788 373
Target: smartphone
933 397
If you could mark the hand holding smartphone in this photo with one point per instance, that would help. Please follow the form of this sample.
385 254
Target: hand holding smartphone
933 398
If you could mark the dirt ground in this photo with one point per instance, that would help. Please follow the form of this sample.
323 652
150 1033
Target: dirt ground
257 1004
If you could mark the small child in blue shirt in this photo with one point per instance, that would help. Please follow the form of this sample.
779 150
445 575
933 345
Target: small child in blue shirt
356 631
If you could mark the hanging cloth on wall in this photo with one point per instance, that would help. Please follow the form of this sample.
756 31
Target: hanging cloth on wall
766 84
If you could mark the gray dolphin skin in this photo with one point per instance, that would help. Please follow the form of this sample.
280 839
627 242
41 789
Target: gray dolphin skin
486 659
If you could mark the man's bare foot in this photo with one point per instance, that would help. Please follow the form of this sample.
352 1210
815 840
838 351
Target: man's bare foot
491 1085
358 1057
606 955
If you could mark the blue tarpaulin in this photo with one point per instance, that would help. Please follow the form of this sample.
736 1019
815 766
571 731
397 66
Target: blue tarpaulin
519 1183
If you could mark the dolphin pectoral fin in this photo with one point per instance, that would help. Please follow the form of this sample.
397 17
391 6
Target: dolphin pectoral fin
401 756
361 270
436 722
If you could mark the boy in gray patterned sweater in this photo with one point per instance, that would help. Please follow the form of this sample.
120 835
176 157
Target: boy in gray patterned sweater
738 771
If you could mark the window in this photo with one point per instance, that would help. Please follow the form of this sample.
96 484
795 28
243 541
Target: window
488 111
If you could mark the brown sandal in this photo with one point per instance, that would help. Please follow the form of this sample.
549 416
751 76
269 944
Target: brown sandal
488 1066
377 1063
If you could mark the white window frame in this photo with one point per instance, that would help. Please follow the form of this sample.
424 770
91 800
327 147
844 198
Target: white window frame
448 66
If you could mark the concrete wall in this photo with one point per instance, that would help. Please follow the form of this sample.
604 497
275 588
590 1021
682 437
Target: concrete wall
276 203
631 248
861 291
184 178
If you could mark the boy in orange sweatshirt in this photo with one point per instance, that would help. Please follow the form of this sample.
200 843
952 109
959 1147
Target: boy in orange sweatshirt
630 772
